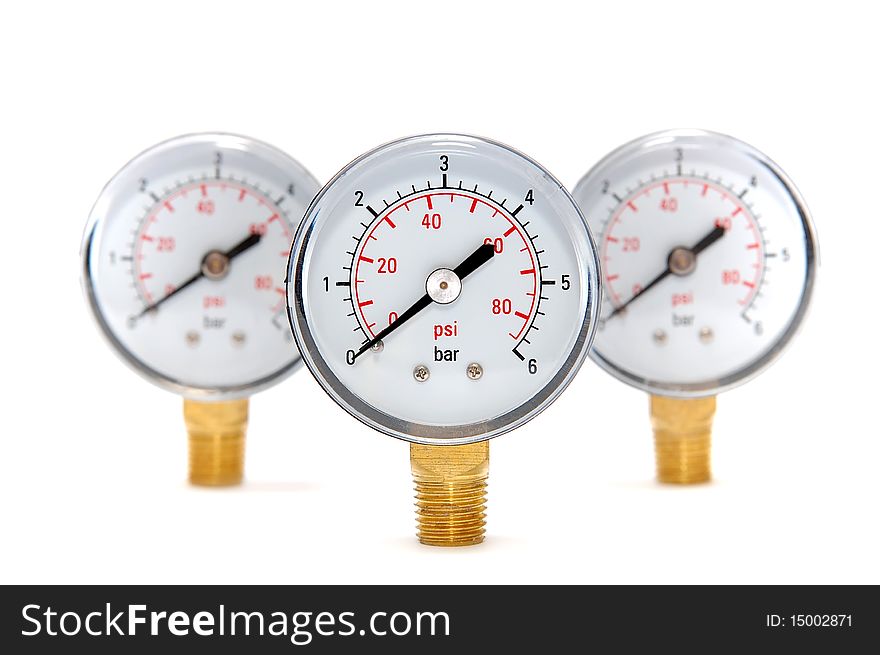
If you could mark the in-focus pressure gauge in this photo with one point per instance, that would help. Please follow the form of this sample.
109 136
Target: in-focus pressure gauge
709 257
184 258
444 290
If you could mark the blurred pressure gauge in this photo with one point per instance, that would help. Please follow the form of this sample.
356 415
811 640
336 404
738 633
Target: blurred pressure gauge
184 260
444 290
709 258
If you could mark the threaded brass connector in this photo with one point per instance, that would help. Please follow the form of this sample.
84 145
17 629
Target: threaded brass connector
683 438
450 483
216 441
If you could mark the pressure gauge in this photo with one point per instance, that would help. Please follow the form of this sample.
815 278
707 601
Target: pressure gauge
184 260
444 291
709 259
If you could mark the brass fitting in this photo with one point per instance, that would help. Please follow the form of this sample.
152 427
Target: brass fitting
216 441
682 438
450 484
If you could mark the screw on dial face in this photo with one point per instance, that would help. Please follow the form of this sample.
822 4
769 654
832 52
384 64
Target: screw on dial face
708 257
443 288
184 259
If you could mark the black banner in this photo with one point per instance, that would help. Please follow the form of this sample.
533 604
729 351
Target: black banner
344 619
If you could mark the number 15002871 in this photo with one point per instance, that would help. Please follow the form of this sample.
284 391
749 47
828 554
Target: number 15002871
809 621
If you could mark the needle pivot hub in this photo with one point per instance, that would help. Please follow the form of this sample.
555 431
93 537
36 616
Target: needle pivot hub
443 286
682 261
215 265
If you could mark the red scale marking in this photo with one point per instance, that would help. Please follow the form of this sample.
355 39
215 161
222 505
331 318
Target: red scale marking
203 187
475 202
365 303
521 315
632 206
388 220
704 190
279 290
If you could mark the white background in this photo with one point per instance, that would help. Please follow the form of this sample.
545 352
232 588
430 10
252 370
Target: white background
94 458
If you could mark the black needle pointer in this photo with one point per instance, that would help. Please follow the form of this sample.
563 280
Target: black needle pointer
713 236
471 263
230 254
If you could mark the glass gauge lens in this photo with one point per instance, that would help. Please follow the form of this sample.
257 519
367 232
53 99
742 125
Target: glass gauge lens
444 288
708 256
184 260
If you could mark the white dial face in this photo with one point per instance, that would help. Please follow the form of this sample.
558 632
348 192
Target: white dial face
708 259
184 262
445 288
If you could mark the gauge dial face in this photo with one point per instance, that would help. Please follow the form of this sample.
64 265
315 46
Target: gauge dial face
708 257
184 261
445 288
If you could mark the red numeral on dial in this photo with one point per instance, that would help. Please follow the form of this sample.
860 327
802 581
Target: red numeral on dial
387 265
432 221
631 244
669 204
502 306
498 244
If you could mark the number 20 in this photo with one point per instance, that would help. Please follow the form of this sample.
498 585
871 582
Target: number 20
387 265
